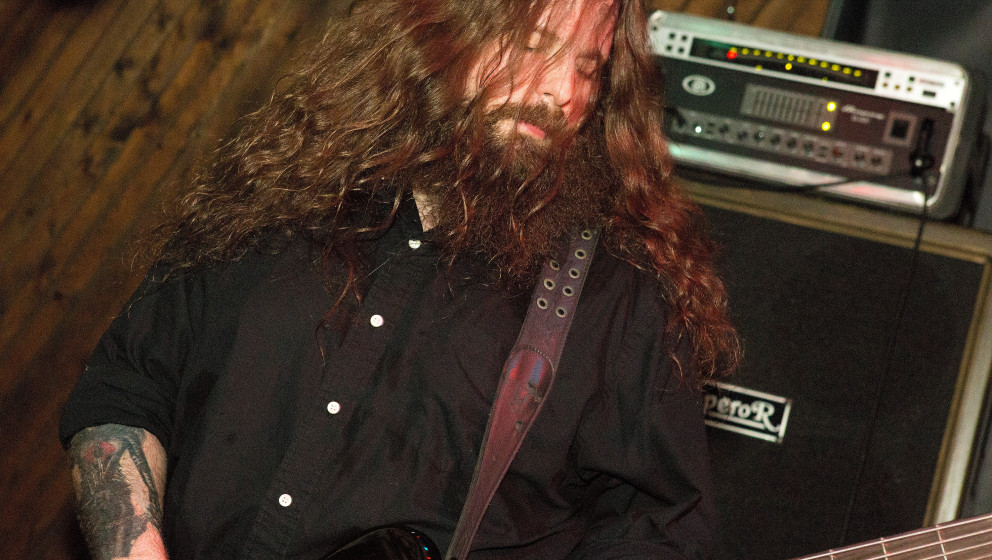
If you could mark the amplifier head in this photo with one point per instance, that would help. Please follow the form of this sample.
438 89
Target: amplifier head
881 127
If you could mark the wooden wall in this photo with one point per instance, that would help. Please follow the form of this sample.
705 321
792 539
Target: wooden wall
104 106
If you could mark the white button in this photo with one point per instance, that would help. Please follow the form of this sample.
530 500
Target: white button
376 320
333 407
414 244
285 500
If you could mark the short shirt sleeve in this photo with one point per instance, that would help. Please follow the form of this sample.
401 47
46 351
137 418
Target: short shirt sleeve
133 374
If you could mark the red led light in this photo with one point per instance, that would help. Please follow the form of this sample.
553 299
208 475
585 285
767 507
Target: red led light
731 54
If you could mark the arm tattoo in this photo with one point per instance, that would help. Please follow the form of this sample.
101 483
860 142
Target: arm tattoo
117 495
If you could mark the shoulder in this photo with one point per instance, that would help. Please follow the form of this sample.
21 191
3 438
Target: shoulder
257 264
629 309
628 291
166 289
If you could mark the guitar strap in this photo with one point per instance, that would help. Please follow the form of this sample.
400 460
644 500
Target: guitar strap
525 381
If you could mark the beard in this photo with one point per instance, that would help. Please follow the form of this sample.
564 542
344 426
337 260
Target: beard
512 199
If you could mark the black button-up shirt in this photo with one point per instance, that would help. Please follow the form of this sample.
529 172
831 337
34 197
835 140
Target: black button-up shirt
286 439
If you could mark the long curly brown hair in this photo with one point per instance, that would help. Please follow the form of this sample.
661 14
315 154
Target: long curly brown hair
320 158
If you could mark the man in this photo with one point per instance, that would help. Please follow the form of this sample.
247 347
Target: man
316 349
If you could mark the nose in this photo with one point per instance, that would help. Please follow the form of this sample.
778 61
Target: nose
558 87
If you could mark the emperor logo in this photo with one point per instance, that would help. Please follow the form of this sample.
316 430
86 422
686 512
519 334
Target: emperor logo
746 411
698 85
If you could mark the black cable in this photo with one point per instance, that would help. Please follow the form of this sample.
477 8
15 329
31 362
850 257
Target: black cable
890 354
920 161
920 164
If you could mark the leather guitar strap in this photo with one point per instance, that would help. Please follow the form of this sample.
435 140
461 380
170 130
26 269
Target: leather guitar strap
525 381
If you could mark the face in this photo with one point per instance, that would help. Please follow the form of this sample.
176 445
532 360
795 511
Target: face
560 70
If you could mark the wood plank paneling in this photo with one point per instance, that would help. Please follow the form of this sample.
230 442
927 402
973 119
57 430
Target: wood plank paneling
45 115
17 38
101 121
105 105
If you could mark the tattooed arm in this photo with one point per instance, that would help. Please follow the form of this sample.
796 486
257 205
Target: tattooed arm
119 474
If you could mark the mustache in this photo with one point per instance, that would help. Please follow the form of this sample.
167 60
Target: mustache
512 199
551 120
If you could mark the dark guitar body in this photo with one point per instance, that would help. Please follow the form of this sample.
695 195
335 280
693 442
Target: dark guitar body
389 543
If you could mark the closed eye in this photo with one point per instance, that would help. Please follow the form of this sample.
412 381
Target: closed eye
588 68
536 42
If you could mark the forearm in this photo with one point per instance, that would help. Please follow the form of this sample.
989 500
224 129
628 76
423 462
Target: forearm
119 475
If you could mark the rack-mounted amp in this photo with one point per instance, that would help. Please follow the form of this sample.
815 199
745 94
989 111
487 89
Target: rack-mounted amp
885 128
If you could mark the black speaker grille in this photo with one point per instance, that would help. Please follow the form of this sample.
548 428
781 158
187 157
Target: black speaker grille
817 312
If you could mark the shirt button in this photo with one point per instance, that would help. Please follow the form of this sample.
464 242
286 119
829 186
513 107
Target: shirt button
376 320
333 407
414 244
285 500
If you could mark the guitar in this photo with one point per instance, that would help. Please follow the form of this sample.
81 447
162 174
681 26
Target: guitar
389 543
965 539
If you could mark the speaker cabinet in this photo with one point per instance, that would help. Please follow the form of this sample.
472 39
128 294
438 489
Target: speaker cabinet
883 355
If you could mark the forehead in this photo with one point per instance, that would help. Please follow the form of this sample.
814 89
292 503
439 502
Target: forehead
587 23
